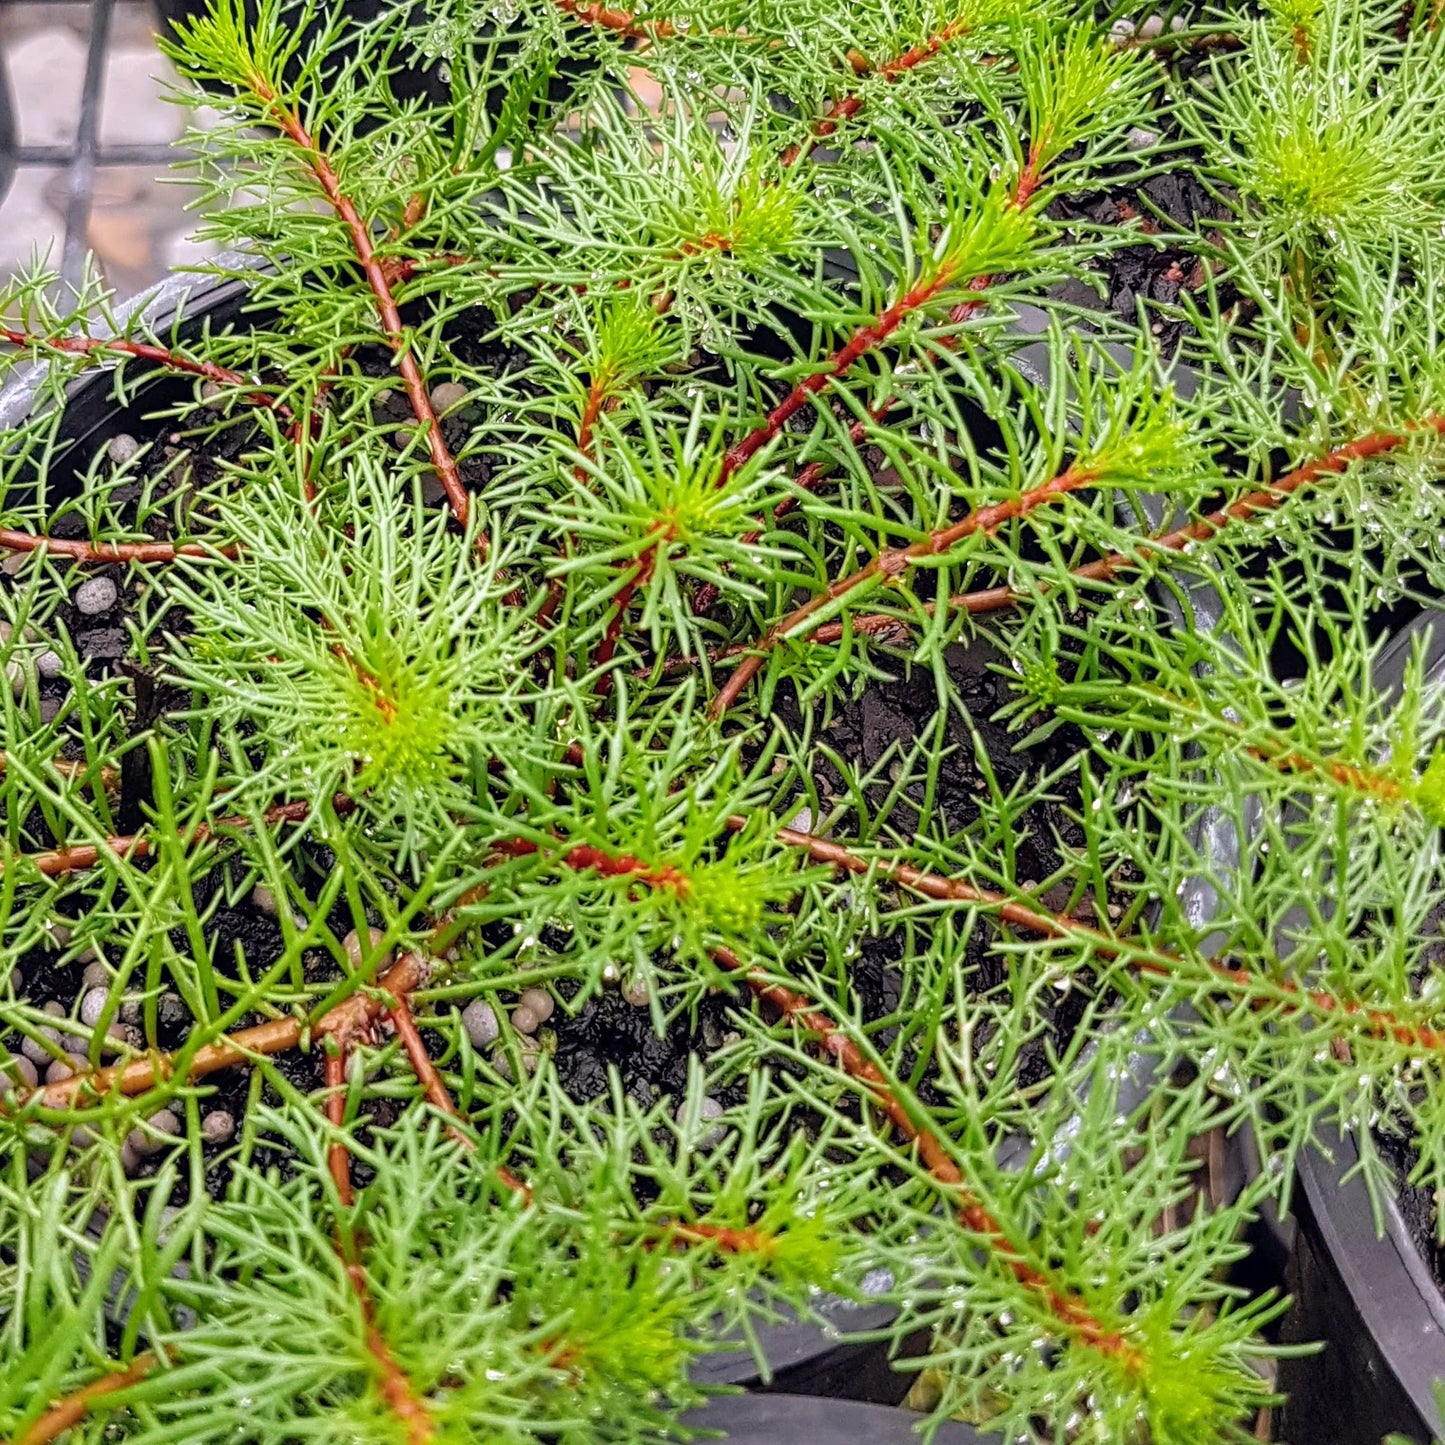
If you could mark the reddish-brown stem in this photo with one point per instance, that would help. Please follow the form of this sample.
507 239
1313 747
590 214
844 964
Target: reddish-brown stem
348 1019
641 574
1071 1312
1266 499
375 272
848 106
591 410
426 1071
624 22
1348 775
612 865
139 845
143 351
396 1389
726 1238
894 562
70 1411
102 552
1139 954
75 772
874 333
338 1156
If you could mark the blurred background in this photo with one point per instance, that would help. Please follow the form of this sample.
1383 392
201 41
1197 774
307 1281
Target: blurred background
91 142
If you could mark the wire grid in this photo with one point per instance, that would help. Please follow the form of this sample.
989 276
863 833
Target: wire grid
85 155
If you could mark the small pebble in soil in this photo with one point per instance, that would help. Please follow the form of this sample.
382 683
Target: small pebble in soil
35 1051
611 974
1152 28
122 448
708 1108
60 1069
218 1127
212 396
49 664
480 1021
97 595
1121 32
17 981
539 1001
352 944
447 395
530 1051
96 975
263 900
152 1139
636 992
92 1006
18 1067
524 1020
403 437
1140 139
129 1156
171 1009
15 671
130 1011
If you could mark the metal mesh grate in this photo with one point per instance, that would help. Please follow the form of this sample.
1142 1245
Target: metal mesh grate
62 181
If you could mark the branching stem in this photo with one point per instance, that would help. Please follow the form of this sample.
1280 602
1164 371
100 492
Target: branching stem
892 563
69 1412
104 346
375 272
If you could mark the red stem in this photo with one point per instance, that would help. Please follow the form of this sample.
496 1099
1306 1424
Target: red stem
338 1157
641 574
426 1071
840 110
1070 1311
139 845
862 341
622 21
69 1412
143 351
376 275
1266 499
894 562
102 552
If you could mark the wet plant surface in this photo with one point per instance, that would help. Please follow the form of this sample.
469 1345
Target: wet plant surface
627 745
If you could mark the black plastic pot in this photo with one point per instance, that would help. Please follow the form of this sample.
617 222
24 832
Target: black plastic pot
1365 1291
794 1420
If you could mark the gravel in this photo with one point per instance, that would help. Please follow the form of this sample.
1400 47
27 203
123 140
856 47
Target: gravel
96 975
218 1127
122 448
92 1006
480 1021
49 664
96 596
636 992
263 900
19 1067
524 1020
352 944
62 1069
446 395
147 1140
539 1001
